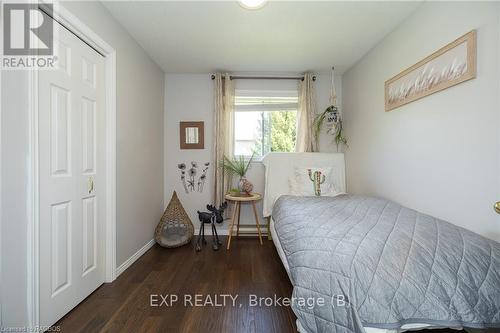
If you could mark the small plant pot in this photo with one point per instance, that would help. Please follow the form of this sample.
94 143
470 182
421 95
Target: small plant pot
234 192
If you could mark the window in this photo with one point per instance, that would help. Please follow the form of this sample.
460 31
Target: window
265 121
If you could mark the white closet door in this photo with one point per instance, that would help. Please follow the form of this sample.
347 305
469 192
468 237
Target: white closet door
72 177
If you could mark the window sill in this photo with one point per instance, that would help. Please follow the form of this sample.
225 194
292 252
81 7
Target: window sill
258 159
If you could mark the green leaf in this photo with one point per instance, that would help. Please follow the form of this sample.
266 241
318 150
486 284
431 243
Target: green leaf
338 134
237 165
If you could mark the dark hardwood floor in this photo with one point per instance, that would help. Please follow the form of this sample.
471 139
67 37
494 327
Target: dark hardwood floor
248 268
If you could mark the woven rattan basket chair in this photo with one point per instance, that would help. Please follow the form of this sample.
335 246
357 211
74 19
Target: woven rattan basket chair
175 227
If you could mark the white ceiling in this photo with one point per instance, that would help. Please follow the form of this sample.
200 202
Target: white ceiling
201 37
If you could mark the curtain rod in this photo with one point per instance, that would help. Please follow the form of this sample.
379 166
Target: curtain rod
236 77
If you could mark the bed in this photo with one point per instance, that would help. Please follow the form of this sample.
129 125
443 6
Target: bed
396 269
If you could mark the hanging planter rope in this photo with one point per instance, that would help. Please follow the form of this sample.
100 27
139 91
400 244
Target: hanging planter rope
331 118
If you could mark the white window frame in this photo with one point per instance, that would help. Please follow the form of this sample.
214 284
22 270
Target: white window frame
264 107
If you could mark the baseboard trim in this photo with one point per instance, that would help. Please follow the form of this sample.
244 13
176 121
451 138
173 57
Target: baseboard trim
134 257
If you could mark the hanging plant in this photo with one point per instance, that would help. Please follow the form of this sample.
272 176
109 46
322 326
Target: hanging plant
332 117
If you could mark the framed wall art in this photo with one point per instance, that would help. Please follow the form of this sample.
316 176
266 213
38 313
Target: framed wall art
192 135
450 65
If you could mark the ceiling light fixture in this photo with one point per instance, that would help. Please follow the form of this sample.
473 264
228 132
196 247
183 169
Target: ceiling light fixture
252 4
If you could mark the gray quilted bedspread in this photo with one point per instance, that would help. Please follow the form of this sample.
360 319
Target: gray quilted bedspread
361 261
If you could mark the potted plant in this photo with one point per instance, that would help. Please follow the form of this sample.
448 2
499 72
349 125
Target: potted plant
239 165
234 192
331 112
333 118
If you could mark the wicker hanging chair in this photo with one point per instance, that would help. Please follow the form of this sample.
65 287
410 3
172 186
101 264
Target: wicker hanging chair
175 227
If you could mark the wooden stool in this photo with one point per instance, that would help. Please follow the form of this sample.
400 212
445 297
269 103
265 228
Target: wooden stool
253 198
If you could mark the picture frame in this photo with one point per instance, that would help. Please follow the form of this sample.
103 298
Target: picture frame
192 134
452 64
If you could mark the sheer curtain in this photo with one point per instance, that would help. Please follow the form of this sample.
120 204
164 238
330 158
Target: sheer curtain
223 132
306 140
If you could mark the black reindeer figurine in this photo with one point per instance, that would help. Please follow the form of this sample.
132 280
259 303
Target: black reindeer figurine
213 216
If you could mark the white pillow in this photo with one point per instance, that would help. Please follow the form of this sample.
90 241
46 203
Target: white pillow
303 182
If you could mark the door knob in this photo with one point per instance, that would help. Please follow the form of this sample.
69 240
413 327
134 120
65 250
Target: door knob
497 207
91 184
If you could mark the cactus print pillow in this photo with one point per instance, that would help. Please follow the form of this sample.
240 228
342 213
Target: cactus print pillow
312 181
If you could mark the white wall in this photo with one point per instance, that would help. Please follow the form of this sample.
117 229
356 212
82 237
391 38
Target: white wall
139 158
190 97
139 119
439 154
14 214
187 98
